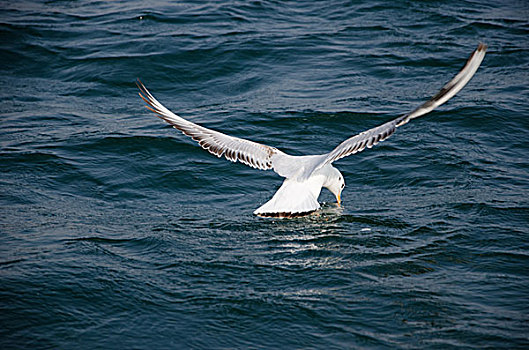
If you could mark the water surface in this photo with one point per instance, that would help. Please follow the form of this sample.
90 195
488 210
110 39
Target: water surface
119 232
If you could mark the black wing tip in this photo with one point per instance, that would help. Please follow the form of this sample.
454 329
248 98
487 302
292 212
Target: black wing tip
146 97
482 47
140 86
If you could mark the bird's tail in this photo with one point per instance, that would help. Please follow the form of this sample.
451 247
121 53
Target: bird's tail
293 198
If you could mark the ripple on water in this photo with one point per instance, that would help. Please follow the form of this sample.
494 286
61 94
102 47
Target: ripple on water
114 225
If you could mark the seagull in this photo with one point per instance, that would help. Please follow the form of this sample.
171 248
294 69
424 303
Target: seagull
305 176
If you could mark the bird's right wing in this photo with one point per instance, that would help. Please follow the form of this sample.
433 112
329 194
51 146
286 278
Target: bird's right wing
235 149
373 136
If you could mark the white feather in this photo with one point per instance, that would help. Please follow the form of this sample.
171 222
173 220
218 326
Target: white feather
294 197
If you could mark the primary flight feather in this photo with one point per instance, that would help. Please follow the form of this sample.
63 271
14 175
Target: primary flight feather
304 175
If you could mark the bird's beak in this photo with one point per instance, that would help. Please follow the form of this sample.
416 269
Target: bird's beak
339 199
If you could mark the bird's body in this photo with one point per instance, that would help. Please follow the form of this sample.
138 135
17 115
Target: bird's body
299 196
305 176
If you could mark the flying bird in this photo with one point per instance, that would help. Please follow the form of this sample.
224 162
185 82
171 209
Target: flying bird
304 175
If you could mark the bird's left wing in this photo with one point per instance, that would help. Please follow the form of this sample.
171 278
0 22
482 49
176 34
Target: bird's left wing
235 149
373 136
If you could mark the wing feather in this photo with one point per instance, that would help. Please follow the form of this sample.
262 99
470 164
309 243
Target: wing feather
373 136
235 149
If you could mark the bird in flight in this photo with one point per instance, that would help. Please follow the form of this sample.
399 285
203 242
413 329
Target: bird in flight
304 175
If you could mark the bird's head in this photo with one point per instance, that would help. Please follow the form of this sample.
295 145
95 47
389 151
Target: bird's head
335 183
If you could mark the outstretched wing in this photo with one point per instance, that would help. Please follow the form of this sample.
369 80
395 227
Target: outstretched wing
373 136
235 149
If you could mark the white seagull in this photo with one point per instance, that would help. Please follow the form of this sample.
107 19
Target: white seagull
304 175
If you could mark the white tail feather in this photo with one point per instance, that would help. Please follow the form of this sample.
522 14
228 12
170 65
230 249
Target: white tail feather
293 197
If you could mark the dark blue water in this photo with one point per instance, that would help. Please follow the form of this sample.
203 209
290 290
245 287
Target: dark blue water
119 232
